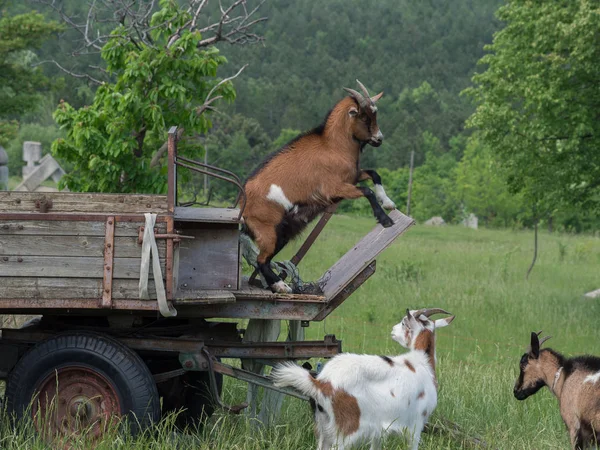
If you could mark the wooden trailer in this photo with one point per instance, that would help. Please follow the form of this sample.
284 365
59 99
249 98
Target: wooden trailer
105 281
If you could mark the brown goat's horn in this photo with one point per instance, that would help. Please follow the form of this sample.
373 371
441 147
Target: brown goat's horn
544 339
428 312
358 97
364 89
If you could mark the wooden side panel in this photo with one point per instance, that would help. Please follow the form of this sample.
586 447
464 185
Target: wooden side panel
76 202
49 259
211 260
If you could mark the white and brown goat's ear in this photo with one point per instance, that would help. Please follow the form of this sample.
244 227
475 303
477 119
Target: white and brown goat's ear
377 97
440 323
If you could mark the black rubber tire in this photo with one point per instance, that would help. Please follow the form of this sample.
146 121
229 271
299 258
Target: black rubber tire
129 376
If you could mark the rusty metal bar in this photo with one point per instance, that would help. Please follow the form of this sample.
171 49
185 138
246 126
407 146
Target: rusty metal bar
254 378
221 177
347 291
171 179
109 243
277 350
314 234
256 308
176 237
169 259
208 166
79 217
327 348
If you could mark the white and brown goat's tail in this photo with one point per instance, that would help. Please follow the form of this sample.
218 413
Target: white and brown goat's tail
291 374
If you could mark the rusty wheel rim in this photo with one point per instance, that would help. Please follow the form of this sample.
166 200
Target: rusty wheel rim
75 401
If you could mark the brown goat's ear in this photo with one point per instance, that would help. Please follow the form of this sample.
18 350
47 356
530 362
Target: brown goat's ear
535 346
352 111
377 97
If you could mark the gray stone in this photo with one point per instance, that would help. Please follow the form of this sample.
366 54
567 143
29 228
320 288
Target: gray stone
436 221
471 221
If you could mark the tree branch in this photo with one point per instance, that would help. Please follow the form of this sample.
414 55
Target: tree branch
199 110
73 74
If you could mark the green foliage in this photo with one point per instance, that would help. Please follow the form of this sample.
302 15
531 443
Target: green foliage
20 84
111 142
539 98
482 189
235 143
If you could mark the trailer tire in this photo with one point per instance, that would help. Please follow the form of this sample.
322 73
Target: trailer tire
100 378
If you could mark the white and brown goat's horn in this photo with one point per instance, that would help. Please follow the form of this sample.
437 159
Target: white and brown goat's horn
427 312
363 103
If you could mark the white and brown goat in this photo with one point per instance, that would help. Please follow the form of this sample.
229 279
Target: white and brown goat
574 381
361 398
318 168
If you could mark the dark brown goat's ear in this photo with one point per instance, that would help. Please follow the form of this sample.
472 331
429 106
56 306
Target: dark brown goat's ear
377 97
535 346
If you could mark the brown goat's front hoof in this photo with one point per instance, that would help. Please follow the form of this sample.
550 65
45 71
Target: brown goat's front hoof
281 288
386 222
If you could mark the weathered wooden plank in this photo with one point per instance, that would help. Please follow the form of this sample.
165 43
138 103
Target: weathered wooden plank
80 246
360 256
77 202
45 288
211 215
78 267
71 227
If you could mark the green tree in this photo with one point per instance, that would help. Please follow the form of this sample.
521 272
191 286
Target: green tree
481 187
539 97
20 83
165 76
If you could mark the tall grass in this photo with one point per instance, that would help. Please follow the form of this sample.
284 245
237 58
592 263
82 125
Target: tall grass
479 275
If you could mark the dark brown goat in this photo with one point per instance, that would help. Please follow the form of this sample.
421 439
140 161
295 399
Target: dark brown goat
574 381
318 168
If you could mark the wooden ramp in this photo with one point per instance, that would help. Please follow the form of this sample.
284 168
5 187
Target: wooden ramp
358 264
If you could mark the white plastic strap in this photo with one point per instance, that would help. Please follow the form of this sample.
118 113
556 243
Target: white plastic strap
149 248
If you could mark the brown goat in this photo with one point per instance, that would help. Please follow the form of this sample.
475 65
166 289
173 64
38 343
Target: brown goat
316 169
574 381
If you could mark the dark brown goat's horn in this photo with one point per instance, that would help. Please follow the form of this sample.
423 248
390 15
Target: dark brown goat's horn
428 312
358 97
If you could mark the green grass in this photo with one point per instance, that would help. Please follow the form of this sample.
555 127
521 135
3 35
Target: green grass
479 275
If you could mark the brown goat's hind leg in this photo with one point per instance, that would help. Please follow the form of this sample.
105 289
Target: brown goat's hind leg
264 265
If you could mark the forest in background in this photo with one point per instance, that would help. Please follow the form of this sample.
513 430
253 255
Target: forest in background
423 55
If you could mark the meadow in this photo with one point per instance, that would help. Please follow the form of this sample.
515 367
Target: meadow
478 275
